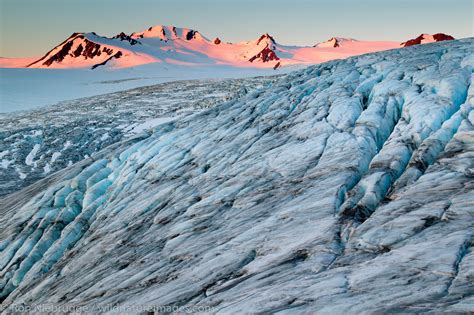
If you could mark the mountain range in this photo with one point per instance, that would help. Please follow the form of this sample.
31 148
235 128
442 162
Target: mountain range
185 46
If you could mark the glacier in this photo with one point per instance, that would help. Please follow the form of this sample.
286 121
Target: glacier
346 187
35 143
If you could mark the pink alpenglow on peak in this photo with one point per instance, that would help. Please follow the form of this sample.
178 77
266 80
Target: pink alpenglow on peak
122 36
266 38
166 33
427 38
266 50
334 42
172 45
88 50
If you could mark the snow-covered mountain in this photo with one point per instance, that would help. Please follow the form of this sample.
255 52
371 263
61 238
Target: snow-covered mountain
334 42
427 38
161 44
90 50
346 187
184 46
166 33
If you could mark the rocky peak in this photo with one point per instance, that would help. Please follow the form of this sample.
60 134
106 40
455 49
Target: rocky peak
266 37
124 37
333 42
166 33
78 46
427 38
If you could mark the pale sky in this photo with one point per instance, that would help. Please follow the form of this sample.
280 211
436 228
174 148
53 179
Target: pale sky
33 27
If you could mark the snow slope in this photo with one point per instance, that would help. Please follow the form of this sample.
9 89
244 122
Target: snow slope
346 187
183 46
16 62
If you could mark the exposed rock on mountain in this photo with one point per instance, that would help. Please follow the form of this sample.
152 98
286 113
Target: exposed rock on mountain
78 49
167 33
122 36
266 54
266 38
177 46
334 42
427 38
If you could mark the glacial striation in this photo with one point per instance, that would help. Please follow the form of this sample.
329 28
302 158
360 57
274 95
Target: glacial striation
346 187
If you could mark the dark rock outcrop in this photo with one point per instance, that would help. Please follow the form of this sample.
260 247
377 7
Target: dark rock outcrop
437 38
266 36
116 56
124 37
265 55
190 35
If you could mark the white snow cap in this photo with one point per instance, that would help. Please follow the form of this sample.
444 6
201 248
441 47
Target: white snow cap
168 32
334 42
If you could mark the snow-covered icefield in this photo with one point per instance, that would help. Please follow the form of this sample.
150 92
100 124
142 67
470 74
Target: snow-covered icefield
24 89
38 142
347 187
